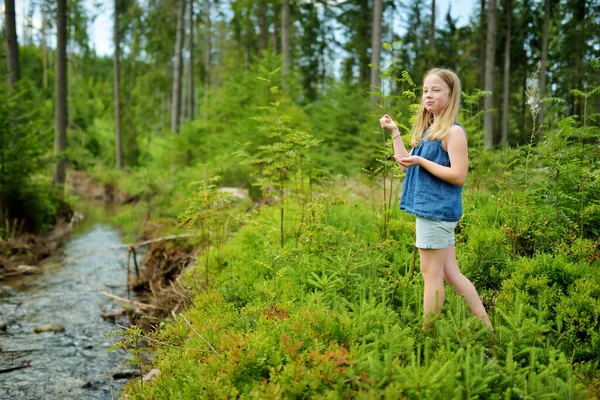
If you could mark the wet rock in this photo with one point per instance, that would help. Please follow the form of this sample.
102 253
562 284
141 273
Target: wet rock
150 376
64 342
6 291
126 374
74 383
48 328
146 358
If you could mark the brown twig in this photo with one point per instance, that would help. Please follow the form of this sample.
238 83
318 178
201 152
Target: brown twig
132 302
414 262
199 335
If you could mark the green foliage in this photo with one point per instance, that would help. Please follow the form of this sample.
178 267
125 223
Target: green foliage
26 193
284 163
208 208
339 316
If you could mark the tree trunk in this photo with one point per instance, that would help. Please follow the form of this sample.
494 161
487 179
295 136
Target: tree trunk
544 65
177 70
44 44
117 89
488 119
191 92
481 63
598 101
262 28
285 38
275 33
506 89
207 69
12 44
432 37
376 48
60 104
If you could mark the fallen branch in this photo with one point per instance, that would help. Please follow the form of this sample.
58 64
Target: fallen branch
132 302
114 315
25 364
20 270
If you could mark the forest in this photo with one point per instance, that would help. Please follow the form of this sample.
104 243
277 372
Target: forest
246 134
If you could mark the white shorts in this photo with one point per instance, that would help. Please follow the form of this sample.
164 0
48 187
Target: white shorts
434 234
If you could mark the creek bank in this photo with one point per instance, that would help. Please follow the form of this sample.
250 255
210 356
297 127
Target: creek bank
53 324
21 252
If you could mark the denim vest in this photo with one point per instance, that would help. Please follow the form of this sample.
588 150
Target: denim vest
426 195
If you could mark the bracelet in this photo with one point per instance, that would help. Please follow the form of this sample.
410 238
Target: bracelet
396 135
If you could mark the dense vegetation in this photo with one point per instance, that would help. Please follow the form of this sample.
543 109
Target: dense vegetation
310 288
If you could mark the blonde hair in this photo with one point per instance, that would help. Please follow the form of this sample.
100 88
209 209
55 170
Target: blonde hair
424 119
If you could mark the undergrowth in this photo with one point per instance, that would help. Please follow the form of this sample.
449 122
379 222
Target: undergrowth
321 302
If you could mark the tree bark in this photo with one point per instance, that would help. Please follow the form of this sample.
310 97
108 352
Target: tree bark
285 38
376 48
488 120
262 28
12 44
60 105
432 36
117 89
191 92
275 32
44 44
177 70
544 66
506 89
207 49
481 63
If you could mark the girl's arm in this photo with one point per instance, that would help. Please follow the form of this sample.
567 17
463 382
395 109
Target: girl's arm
400 151
456 174
399 148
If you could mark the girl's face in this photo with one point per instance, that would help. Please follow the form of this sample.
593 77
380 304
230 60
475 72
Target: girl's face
435 95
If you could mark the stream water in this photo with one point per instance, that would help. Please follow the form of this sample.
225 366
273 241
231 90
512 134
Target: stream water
75 363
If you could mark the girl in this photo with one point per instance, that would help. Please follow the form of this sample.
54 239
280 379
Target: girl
436 170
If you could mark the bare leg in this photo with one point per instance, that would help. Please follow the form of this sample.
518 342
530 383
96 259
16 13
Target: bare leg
463 286
432 269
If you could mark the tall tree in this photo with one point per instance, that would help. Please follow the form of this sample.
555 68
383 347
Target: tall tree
376 47
60 102
488 119
191 90
285 37
12 44
482 49
275 31
413 53
44 44
177 69
431 57
356 17
544 66
117 88
207 50
262 28
506 84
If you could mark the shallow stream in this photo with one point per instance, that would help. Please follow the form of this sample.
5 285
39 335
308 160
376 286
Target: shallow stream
75 363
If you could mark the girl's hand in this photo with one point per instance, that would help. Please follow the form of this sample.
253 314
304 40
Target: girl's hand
386 122
410 161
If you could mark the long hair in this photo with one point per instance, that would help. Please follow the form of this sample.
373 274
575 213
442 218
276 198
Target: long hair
439 129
